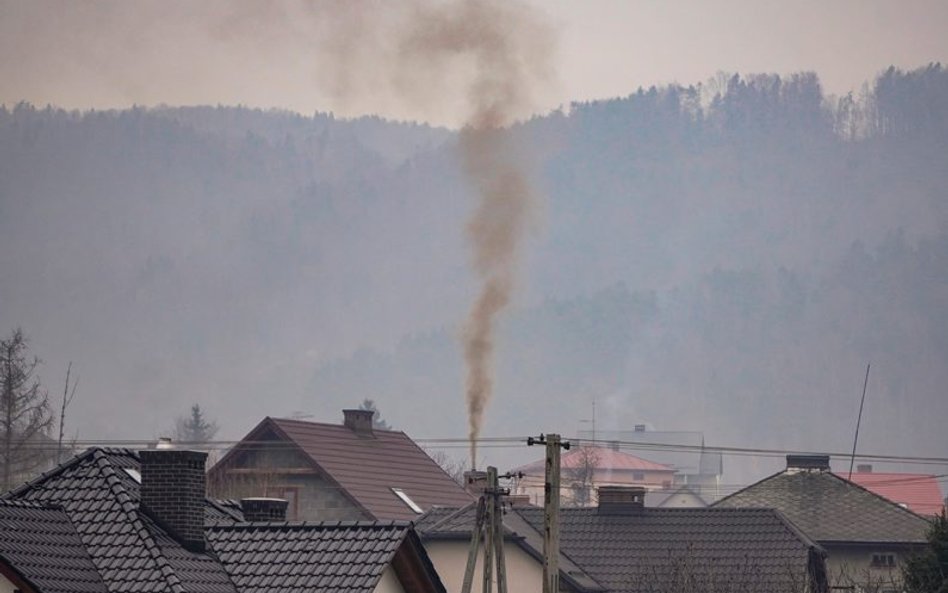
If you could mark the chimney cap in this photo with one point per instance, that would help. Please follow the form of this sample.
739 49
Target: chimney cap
808 462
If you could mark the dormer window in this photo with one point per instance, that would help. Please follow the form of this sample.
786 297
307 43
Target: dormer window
407 500
883 560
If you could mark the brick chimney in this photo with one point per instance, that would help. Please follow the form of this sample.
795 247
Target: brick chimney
359 421
808 463
263 509
173 493
475 482
621 500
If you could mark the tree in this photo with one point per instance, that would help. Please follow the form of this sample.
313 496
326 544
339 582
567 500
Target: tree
195 428
581 477
451 466
928 572
377 422
25 417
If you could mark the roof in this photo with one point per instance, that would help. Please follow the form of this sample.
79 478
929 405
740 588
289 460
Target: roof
129 551
604 458
458 523
682 450
367 468
343 557
746 549
919 492
829 508
78 529
758 544
63 566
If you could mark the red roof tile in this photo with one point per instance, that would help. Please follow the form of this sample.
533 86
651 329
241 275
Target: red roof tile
367 468
919 492
606 459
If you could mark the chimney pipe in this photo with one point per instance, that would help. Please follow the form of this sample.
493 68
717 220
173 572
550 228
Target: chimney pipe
359 421
260 509
621 500
173 493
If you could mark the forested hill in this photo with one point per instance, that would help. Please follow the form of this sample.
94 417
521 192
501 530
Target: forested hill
724 257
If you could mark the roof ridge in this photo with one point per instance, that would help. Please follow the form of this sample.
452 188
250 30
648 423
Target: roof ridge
131 511
745 488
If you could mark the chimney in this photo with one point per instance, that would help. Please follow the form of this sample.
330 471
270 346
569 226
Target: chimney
518 500
264 510
864 468
808 463
173 493
639 428
475 482
621 500
359 421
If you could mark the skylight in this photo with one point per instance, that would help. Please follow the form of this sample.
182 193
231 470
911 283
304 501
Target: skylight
407 500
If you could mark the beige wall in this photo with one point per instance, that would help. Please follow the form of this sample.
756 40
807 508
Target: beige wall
5 585
847 566
389 582
524 573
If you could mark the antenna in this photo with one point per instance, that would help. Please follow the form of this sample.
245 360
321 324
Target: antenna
852 460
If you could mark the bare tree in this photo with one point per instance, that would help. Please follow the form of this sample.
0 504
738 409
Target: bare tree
453 467
67 399
25 417
581 478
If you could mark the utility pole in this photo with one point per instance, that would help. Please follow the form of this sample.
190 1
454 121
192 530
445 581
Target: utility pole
489 522
551 510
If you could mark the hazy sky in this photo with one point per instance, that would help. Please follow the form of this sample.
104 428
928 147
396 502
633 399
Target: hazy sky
116 53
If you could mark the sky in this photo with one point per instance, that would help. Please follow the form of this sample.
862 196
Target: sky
115 54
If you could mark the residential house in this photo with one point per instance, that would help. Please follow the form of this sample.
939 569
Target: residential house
695 464
866 536
621 546
584 468
919 493
680 497
350 471
112 520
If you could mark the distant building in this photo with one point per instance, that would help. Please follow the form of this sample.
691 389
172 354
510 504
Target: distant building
919 493
680 497
696 465
583 469
347 471
866 536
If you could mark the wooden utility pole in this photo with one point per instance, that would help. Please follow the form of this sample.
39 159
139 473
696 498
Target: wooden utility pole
488 523
551 510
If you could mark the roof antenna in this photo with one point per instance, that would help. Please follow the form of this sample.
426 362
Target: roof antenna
858 421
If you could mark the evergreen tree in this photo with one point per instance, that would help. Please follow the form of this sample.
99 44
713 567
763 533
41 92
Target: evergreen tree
25 417
195 428
928 572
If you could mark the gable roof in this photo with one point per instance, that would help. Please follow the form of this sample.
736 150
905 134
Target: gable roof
605 459
829 508
746 549
129 551
919 492
63 566
343 557
659 498
682 450
367 468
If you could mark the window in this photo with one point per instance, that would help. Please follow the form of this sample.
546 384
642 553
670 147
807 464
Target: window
407 500
883 560
638 476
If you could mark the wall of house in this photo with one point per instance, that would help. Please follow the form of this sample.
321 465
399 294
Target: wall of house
852 565
682 500
6 586
524 573
389 583
311 497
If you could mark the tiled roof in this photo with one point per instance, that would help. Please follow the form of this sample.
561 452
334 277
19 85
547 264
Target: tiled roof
128 550
41 545
744 549
829 508
367 468
605 459
342 557
919 492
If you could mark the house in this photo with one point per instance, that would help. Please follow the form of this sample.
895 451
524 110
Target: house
584 468
620 546
865 535
336 472
112 520
919 493
695 464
